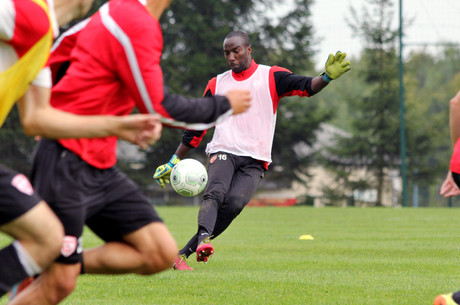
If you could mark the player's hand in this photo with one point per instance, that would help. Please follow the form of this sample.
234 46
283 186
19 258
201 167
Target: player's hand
140 129
163 172
336 66
449 188
240 100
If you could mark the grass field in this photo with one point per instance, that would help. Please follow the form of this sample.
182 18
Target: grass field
358 256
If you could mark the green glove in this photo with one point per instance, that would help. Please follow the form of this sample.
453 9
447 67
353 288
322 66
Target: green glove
335 66
163 172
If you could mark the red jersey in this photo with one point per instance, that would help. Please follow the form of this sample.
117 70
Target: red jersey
114 67
455 160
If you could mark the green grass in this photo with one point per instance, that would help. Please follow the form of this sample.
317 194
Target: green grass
358 256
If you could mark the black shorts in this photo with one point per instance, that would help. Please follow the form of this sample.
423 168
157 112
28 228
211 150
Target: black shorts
16 195
456 178
233 178
106 200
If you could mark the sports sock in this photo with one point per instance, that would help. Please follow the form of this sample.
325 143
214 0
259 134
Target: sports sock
12 270
202 235
456 297
207 217
190 247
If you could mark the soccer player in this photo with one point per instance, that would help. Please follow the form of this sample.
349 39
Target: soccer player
26 32
240 150
451 185
114 67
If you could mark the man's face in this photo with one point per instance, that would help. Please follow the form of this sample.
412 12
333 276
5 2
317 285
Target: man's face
237 55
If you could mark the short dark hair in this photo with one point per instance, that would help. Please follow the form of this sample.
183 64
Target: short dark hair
242 34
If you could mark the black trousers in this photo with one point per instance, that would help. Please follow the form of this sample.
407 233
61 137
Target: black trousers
232 182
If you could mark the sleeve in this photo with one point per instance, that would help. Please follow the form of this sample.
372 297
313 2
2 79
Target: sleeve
193 138
43 78
144 79
285 83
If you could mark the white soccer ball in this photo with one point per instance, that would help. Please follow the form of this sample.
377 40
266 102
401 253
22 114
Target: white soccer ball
189 177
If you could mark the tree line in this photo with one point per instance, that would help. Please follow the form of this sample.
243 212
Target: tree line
365 102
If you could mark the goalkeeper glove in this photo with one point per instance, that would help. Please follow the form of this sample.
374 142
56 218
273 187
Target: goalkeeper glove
335 66
163 172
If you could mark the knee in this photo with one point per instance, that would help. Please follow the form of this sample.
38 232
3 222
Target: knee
59 285
234 205
43 236
161 253
159 260
214 196
62 289
167 256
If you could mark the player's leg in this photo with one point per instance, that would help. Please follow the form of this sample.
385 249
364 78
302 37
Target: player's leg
244 185
51 287
137 241
65 195
180 262
190 247
37 231
222 167
149 250
220 175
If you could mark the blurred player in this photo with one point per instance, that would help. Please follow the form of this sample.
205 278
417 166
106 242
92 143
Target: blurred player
451 185
114 67
240 150
26 33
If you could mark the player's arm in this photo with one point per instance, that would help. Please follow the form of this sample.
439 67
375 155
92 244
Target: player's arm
190 140
38 117
454 120
449 187
69 10
288 83
203 110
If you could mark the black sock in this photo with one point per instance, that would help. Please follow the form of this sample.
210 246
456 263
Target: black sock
190 247
456 297
11 269
202 235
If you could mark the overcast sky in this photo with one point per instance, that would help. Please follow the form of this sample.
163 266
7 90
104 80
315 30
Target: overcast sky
433 22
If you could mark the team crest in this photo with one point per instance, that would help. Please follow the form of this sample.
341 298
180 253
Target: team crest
69 245
22 184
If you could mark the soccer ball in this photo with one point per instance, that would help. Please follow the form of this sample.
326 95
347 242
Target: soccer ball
189 177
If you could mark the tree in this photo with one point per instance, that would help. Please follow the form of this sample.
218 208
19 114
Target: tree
194 32
431 81
373 112
373 144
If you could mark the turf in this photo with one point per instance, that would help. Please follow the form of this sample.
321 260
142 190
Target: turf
358 256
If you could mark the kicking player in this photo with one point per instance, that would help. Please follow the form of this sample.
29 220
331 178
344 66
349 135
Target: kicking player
240 150
114 67
451 185
26 33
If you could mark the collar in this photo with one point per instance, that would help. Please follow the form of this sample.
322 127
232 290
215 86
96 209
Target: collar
245 74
